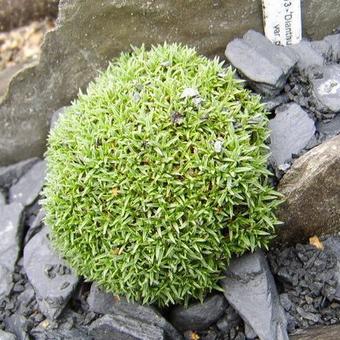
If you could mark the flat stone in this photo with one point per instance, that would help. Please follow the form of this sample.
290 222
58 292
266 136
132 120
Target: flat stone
88 37
6 282
250 288
2 199
312 194
52 280
264 65
307 56
106 303
325 82
324 48
27 189
9 175
199 316
291 130
318 333
329 128
334 41
39 333
120 327
273 103
56 115
11 233
18 325
7 336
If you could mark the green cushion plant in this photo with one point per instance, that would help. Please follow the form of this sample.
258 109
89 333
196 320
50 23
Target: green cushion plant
157 176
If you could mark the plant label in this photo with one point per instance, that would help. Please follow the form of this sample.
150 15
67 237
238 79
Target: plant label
282 21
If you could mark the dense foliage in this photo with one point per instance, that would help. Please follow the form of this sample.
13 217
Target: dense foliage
158 175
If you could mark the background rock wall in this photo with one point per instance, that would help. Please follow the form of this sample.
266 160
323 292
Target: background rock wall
90 33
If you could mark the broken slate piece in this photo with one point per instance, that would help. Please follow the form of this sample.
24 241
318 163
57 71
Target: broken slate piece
2 199
120 327
7 336
291 130
307 56
6 283
11 233
49 275
264 64
329 128
106 303
56 116
324 48
9 175
18 325
199 316
325 83
250 288
27 190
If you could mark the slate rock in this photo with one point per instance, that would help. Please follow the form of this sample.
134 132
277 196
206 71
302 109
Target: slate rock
7 336
199 316
18 325
273 103
311 188
291 130
265 66
120 327
9 175
229 320
318 333
40 333
306 55
27 189
55 117
6 282
329 128
250 288
325 82
106 303
11 233
52 280
2 199
324 48
36 226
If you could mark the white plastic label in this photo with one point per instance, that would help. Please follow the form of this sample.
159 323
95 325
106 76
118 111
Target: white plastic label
282 21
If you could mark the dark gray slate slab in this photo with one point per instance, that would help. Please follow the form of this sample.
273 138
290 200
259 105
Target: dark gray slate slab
7 336
325 83
265 65
229 320
199 316
120 327
40 333
49 275
250 288
56 116
27 189
106 303
330 128
307 55
11 232
10 174
291 130
18 325
6 282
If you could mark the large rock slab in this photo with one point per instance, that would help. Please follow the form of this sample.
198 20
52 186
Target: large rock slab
52 280
106 303
265 65
312 191
90 33
119 327
291 130
199 316
318 333
11 233
28 188
250 288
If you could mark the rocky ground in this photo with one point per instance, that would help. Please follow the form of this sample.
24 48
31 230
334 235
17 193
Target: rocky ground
266 295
